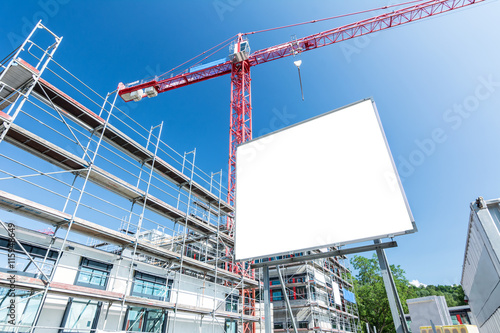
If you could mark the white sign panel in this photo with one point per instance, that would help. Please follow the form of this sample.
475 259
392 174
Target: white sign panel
327 181
336 293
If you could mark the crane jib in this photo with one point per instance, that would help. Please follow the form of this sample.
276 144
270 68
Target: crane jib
332 36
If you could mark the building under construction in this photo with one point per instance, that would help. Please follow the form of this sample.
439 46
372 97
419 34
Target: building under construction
105 227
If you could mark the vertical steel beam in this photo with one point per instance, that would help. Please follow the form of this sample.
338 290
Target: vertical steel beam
287 301
392 292
184 235
267 301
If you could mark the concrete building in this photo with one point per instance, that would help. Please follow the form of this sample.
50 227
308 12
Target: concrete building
481 267
104 227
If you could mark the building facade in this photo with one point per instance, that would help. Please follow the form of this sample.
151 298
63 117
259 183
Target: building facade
481 267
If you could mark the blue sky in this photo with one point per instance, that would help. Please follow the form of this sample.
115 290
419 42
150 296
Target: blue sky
436 83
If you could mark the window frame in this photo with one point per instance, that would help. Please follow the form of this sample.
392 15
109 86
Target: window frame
99 266
232 300
153 279
228 320
95 321
35 251
144 319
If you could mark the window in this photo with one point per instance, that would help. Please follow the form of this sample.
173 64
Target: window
303 324
276 295
24 266
25 309
278 326
150 286
93 274
274 281
231 326
145 320
465 318
81 315
232 303
300 324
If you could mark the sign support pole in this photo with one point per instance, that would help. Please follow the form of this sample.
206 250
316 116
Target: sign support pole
392 292
267 301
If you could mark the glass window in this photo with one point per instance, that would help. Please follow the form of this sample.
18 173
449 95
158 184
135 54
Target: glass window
93 274
81 316
145 320
231 326
26 307
232 303
278 326
150 286
465 319
23 265
303 324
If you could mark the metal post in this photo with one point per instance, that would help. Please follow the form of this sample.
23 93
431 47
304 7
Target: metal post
287 301
374 329
392 294
267 301
217 243
367 328
186 230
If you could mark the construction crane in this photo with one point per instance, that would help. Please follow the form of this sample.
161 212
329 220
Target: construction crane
240 61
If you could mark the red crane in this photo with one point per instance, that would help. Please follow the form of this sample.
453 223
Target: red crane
240 61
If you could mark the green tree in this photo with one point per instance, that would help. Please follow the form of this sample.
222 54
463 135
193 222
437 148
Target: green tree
371 296
454 295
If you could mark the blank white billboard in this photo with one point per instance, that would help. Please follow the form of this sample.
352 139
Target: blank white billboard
327 181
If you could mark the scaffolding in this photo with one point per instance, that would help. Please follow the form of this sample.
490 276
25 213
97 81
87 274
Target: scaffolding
112 190
306 295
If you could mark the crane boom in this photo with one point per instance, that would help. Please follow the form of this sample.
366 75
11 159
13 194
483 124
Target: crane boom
332 36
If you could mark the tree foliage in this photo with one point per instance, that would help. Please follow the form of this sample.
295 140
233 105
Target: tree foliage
454 295
373 305
371 296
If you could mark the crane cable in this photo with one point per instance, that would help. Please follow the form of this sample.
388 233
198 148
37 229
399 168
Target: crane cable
330 18
225 43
